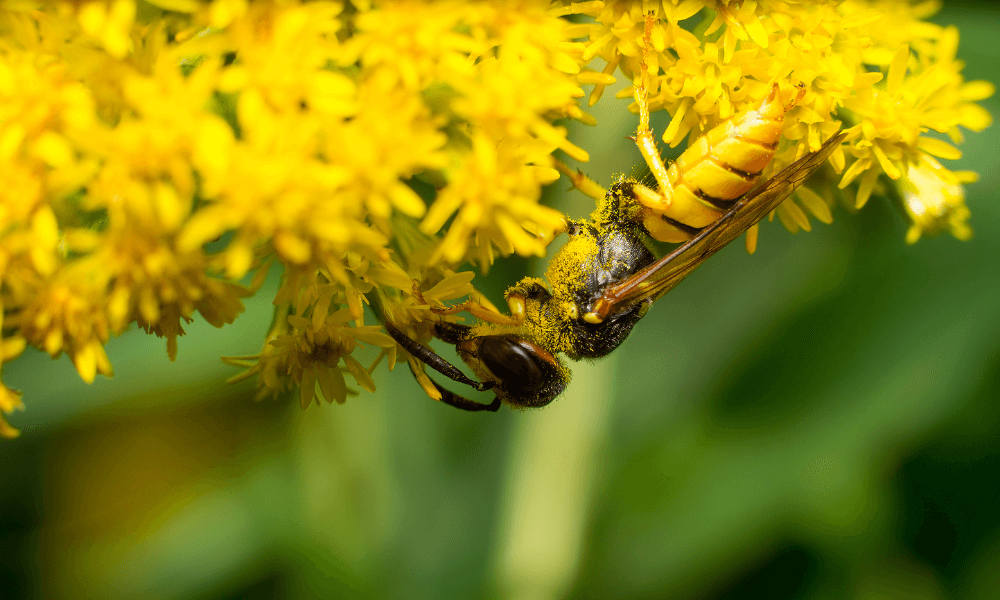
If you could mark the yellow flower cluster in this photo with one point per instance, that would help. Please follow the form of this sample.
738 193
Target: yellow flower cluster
875 67
153 154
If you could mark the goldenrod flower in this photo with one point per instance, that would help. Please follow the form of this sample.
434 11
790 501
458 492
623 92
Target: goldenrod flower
933 199
875 67
149 160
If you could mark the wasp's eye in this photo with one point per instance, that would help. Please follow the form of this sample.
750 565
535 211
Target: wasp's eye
515 362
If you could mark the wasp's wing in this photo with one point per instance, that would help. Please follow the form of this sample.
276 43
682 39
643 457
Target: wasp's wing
661 276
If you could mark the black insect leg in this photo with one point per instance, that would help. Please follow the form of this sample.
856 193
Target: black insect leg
452 399
451 333
432 360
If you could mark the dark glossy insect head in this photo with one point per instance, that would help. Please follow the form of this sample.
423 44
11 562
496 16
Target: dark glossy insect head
525 374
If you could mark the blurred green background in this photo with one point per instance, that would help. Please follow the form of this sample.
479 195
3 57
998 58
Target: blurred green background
819 420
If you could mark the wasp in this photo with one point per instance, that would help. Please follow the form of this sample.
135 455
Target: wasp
604 279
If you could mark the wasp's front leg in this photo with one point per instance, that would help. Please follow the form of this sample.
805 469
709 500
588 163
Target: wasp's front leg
547 238
644 136
654 203
484 311
580 181
529 289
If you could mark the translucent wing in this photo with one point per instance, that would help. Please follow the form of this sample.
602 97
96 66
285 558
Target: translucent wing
660 277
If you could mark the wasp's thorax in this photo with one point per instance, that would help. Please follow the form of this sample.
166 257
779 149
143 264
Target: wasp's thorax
599 253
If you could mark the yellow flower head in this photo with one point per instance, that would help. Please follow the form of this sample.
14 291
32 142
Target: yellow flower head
150 159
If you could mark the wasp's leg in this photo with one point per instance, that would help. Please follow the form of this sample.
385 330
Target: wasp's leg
452 333
517 297
432 360
800 93
580 181
547 237
452 399
643 136
515 302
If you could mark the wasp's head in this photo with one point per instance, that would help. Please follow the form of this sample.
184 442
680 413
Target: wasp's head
524 374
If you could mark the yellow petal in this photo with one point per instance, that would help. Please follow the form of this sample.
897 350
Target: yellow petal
53 149
977 90
897 69
307 390
92 17
686 10
169 206
213 149
756 31
866 187
10 400
425 382
796 213
53 343
6 431
206 225
860 18
292 248
974 117
452 286
86 363
816 205
594 78
786 218
857 168
938 148
332 385
752 238
11 348
103 364
182 6
238 259
359 373
887 165
562 62
369 336
406 200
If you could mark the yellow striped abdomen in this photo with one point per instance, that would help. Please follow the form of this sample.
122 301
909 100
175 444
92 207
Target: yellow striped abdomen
716 170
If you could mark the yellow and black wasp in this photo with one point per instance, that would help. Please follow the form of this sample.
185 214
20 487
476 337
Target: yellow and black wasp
603 280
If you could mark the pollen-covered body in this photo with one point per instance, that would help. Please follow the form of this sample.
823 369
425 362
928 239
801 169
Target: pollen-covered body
598 254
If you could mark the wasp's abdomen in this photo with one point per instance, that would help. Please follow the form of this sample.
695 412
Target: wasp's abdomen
719 168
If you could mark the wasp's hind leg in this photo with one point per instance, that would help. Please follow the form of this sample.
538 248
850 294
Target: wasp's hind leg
434 361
